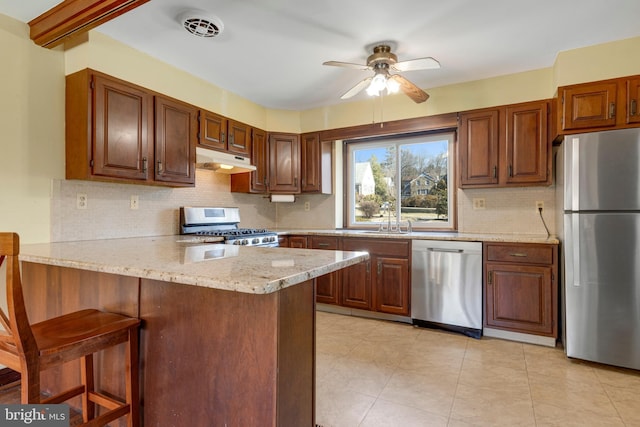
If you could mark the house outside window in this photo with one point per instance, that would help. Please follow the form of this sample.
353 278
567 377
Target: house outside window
400 179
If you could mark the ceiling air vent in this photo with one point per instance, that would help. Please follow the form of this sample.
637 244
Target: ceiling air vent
201 24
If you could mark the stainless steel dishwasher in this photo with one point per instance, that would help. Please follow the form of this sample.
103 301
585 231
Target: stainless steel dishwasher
446 285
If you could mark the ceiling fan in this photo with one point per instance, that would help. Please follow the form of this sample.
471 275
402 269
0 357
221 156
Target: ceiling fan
382 61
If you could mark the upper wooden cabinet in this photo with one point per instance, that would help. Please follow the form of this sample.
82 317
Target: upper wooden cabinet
175 141
600 105
505 146
284 163
112 133
315 164
222 134
258 180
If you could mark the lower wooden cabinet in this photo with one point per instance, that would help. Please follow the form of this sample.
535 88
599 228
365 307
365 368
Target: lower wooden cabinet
521 288
384 283
327 286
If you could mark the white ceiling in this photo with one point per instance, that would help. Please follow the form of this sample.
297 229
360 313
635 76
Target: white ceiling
271 51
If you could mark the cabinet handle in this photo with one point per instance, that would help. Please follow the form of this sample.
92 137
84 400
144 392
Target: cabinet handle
379 267
510 170
231 139
144 164
518 254
368 269
634 106
490 278
295 181
159 167
495 171
223 136
323 245
612 110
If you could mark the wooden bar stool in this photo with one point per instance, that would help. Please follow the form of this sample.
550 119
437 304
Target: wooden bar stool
30 349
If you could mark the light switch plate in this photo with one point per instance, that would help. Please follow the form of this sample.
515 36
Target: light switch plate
479 203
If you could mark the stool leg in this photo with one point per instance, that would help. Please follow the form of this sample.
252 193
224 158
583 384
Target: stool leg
86 373
132 381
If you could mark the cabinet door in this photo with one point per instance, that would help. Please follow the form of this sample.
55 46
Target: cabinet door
122 129
589 106
239 138
175 141
478 148
310 162
519 298
260 159
527 143
298 242
284 163
213 131
633 97
391 285
327 286
356 286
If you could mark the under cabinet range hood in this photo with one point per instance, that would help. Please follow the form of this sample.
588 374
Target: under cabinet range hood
222 162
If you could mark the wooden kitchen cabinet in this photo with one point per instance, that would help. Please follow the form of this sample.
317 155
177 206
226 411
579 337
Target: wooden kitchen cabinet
219 133
298 242
506 146
112 133
316 158
327 286
284 163
256 181
600 105
521 288
384 283
175 141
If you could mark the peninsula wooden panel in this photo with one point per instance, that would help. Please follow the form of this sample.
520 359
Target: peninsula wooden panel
214 357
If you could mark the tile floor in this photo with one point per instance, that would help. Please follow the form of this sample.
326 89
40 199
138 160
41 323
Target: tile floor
385 374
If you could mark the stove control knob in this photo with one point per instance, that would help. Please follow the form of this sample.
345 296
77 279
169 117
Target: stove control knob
245 242
237 242
255 241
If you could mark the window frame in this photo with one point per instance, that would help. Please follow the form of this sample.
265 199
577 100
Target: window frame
398 140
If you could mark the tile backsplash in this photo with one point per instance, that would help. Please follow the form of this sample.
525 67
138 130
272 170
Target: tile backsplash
507 210
108 213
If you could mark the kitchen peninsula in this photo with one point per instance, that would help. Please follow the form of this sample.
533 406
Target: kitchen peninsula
228 332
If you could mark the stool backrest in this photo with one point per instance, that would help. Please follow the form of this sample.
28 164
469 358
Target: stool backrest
16 341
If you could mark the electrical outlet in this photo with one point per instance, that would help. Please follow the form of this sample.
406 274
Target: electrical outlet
539 205
81 201
479 204
133 203
307 206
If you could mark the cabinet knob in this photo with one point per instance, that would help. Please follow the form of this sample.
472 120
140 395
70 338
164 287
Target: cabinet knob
144 164
612 110
634 107
159 167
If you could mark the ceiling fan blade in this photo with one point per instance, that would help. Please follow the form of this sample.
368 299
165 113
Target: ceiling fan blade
347 65
357 88
427 63
411 90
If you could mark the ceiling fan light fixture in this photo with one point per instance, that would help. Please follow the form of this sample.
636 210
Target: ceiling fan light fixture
392 86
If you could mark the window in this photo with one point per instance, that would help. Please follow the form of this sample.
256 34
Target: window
413 170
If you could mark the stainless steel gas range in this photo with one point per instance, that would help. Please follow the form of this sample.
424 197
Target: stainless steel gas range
223 222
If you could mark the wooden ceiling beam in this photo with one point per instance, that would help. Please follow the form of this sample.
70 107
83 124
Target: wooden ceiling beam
74 17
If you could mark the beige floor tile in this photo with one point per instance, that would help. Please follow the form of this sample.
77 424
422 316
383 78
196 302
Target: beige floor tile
548 415
498 402
340 407
365 377
479 373
389 414
433 393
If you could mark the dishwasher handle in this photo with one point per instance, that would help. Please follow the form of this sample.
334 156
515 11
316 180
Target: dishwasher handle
455 251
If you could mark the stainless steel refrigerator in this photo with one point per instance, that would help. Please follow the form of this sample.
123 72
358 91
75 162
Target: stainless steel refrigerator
599 179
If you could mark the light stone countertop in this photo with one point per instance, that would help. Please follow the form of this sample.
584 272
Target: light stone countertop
429 235
258 270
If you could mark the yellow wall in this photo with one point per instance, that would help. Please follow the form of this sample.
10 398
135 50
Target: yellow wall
32 106
31 131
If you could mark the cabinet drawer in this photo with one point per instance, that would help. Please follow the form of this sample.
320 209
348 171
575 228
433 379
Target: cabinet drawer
519 253
323 242
383 247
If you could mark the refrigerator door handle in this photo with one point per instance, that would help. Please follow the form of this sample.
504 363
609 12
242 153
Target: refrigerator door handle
575 174
575 240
